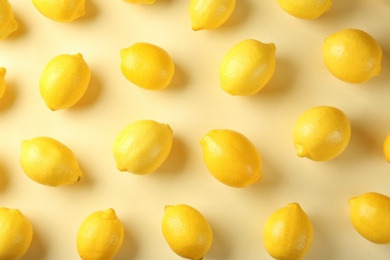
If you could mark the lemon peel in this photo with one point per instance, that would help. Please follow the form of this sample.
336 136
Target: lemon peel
8 23
63 11
308 9
2 81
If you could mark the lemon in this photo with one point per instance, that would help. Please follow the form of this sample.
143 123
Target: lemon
370 215
288 233
142 146
307 9
49 162
352 55
210 14
63 11
16 234
321 133
100 236
2 81
8 23
141 1
147 66
386 148
231 158
64 81
247 67
186 231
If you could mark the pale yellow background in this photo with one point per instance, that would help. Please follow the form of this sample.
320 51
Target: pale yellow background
193 105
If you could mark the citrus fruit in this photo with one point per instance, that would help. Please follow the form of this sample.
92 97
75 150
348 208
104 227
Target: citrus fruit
49 162
308 9
2 81
352 55
140 1
142 146
100 236
288 233
147 66
231 158
321 133
63 11
186 231
386 148
8 23
247 67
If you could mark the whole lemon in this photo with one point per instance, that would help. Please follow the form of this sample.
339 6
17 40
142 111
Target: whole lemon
16 233
321 133
247 67
210 14
63 11
8 23
186 231
352 55
231 158
49 162
386 148
100 236
308 9
64 81
142 146
141 1
370 215
288 233
2 81
147 66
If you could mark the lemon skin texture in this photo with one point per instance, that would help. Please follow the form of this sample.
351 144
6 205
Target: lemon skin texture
49 162
16 233
321 133
147 66
247 67
231 158
100 236
149 2
210 14
8 23
142 146
186 231
288 233
3 71
352 55
307 9
63 11
370 216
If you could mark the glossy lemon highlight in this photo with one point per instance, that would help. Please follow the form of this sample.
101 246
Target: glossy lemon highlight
8 23
63 11
3 71
288 233
370 215
307 9
231 158
352 55
149 2
100 236
186 231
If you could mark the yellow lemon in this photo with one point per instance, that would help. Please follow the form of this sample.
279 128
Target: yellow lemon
63 11
231 158
370 215
288 233
147 66
8 23
321 133
64 81
210 14
100 236
2 81
49 162
307 9
142 146
186 231
141 1
16 234
247 67
352 55
386 148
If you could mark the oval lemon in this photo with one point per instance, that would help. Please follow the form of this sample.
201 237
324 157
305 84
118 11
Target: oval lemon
8 23
63 11
308 9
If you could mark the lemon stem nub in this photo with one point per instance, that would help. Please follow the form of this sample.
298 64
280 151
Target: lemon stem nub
109 214
301 151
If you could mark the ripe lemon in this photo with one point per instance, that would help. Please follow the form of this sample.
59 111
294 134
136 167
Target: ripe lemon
63 11
141 1
142 146
352 55
321 133
16 233
186 231
210 14
288 233
49 162
386 148
147 66
64 81
370 215
231 158
308 9
2 81
247 67
100 236
8 23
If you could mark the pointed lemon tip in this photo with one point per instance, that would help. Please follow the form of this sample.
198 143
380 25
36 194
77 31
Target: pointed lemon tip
3 71
301 151
272 47
109 214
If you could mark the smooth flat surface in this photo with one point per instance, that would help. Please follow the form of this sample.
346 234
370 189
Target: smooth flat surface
193 105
